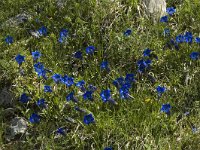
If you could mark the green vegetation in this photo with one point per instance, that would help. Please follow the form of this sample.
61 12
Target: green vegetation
133 123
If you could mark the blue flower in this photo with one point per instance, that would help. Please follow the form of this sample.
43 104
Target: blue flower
68 81
88 119
64 33
146 52
180 38
19 58
119 82
34 118
42 31
90 49
80 84
47 88
166 108
105 95
143 65
164 19
128 32
166 32
195 55
9 39
108 148
70 96
170 10
160 90
39 69
104 65
36 55
41 103
188 37
197 40
130 78
88 95
124 91
56 78
24 98
60 131
78 55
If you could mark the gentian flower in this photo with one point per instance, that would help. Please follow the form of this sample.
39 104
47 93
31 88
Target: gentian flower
80 84
24 98
9 39
63 35
119 82
166 32
39 69
88 119
88 95
42 31
78 55
188 37
127 32
180 38
143 65
47 88
146 52
197 40
105 95
90 49
41 103
164 19
60 131
36 55
160 90
195 55
104 65
70 97
56 78
166 108
108 148
170 10
68 81
130 78
124 92
34 118
19 58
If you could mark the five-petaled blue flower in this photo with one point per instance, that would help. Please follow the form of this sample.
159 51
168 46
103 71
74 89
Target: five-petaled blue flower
88 95
143 65
42 31
63 35
78 55
36 55
47 88
146 52
164 19
60 131
19 58
118 82
195 55
166 108
41 103
70 96
108 148
188 37
160 90
88 119
24 98
80 84
130 78
128 32
170 10
34 118
166 32
90 49
124 91
57 78
179 38
104 65
40 70
197 40
9 39
105 95
68 81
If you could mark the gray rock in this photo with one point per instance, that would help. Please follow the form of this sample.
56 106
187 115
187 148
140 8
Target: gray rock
18 126
6 97
155 8
17 20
